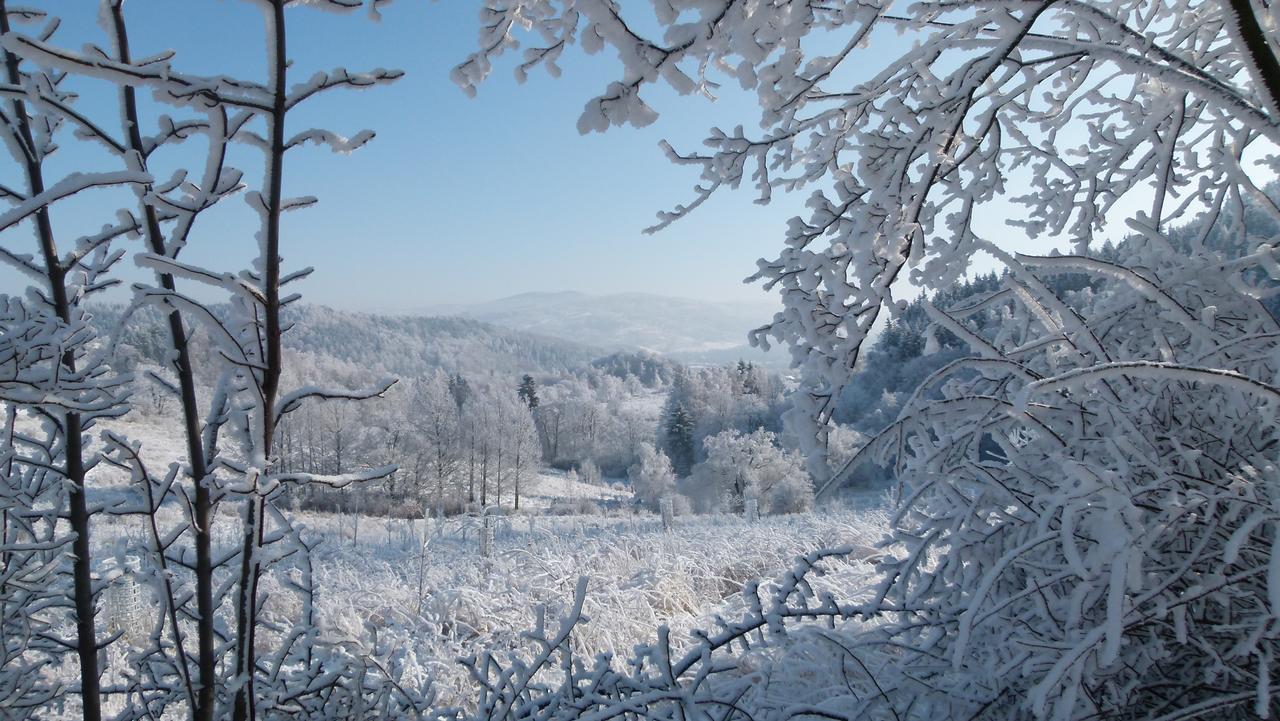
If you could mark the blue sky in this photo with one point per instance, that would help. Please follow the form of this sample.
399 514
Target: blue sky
457 199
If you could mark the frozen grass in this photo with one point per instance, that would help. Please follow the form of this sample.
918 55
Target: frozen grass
419 607
640 578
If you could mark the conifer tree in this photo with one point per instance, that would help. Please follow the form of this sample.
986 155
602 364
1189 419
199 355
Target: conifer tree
529 391
679 438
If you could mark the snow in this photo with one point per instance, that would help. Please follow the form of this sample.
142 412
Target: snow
550 487
437 602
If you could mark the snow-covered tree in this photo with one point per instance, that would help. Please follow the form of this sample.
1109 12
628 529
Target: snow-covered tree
435 440
55 368
677 436
516 440
522 432
652 476
751 465
842 443
216 648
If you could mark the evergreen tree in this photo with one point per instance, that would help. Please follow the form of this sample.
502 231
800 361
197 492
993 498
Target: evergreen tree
677 426
528 391
459 389
679 437
747 378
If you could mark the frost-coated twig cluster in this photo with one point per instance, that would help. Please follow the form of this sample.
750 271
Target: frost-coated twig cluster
713 678
31 552
1090 515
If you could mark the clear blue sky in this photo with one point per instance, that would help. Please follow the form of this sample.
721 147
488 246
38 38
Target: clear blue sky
457 199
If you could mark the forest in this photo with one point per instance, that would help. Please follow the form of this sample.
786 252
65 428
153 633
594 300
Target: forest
1023 462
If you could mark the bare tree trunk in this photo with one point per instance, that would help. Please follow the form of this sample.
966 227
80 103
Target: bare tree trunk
337 446
82 580
471 471
269 379
517 479
1262 59
441 470
498 474
202 510
484 474
555 442
311 447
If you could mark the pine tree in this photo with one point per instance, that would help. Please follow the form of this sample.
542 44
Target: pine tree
529 391
677 424
460 389
747 378
679 436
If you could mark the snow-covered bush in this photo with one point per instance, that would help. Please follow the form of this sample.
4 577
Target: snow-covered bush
651 477
1117 548
589 473
574 507
751 465
842 442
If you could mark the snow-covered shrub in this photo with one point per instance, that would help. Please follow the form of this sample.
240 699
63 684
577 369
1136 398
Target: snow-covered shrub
589 473
574 507
651 476
751 465
842 442
1119 548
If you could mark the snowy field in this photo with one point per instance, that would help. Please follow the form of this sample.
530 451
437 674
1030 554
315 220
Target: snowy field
551 490
417 595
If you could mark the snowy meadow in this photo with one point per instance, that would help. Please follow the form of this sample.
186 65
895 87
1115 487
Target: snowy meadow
418 596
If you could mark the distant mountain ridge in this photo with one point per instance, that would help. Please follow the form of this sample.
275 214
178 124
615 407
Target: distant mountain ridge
540 333
386 344
413 345
680 328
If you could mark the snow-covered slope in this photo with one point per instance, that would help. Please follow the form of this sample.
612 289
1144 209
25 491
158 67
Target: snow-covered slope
395 344
551 489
